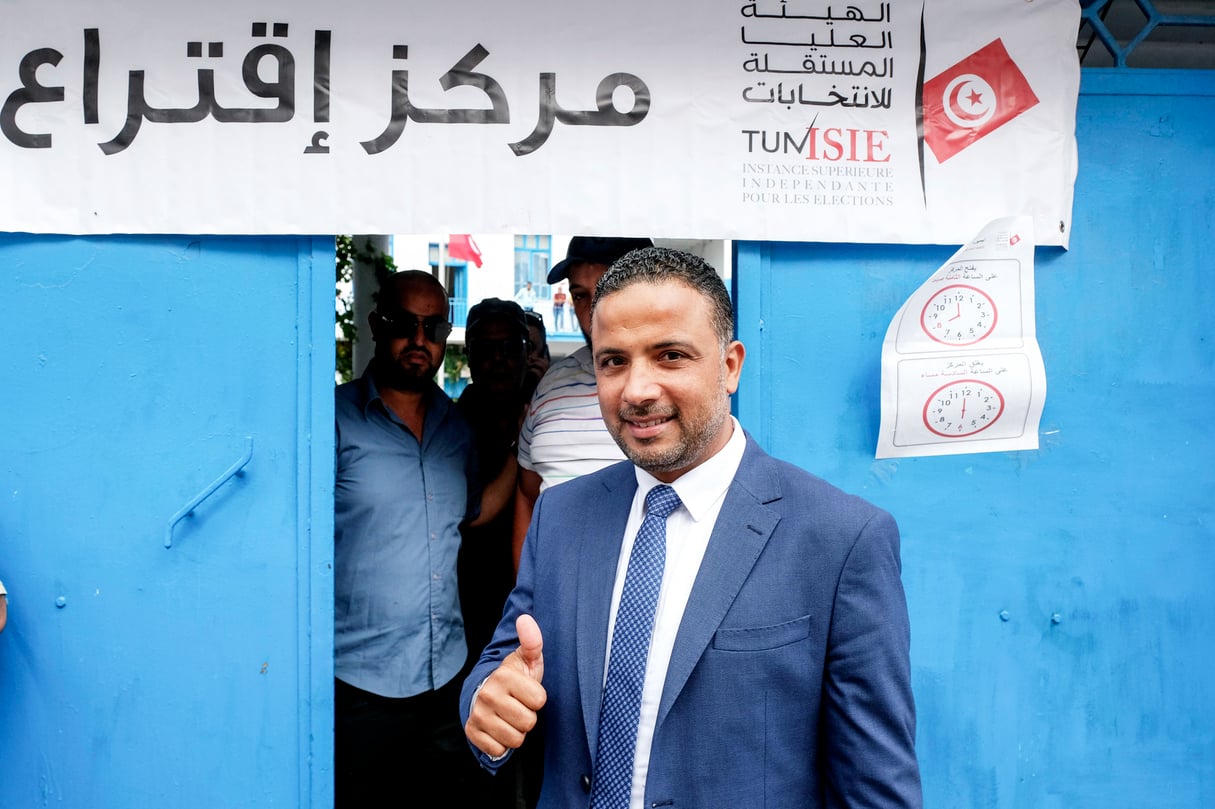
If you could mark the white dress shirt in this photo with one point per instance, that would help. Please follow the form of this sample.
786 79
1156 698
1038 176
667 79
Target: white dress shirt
701 491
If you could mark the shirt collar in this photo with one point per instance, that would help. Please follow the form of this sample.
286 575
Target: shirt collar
371 394
702 486
585 358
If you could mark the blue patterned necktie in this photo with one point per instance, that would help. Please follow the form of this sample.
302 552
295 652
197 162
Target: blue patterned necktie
618 716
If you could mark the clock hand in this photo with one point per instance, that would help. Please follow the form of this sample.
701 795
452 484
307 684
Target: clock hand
959 314
963 408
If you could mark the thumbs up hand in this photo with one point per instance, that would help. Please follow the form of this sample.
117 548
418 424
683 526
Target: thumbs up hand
504 708
531 647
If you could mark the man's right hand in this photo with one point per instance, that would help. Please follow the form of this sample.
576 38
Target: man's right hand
504 709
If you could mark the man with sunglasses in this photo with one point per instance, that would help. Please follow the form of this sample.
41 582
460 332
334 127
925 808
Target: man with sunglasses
405 482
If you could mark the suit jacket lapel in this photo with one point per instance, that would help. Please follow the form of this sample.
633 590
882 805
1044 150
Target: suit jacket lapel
598 554
743 527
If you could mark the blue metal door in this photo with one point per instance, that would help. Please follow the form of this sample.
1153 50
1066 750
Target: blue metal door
165 521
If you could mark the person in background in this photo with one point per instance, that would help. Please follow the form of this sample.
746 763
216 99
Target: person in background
563 435
538 356
725 629
493 403
405 481
560 296
526 296
497 341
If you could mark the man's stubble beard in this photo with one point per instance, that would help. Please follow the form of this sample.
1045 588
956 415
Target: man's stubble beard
392 374
683 454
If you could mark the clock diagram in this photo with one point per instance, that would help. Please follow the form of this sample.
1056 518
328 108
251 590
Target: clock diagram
961 368
958 315
962 408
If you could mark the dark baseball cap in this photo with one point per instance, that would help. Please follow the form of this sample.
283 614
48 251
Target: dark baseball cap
492 308
594 250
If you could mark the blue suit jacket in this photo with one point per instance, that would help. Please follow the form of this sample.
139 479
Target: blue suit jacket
789 684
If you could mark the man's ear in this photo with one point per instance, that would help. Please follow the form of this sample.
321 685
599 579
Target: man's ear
373 323
735 354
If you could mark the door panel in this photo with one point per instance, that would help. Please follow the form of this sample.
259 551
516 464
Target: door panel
143 666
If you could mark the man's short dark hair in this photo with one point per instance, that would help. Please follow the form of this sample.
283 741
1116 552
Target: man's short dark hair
656 264
392 283
508 312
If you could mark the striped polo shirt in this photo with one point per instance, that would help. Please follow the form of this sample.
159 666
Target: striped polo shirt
564 435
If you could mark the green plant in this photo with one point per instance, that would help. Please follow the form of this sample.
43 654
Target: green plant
348 254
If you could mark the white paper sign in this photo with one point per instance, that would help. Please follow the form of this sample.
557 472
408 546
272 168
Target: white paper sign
961 368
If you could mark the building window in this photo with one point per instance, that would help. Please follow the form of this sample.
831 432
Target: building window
1146 34
533 257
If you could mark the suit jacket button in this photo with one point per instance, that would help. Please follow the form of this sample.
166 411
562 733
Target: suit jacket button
586 784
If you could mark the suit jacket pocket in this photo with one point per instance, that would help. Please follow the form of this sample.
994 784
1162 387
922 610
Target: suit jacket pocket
762 637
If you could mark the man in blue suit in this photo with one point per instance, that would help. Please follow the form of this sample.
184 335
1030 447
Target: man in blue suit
774 667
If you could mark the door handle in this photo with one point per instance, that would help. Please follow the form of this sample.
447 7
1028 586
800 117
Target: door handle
235 470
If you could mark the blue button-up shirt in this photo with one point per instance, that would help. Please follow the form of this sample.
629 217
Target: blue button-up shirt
398 504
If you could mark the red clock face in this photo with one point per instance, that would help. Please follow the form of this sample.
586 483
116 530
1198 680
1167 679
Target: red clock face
963 407
958 315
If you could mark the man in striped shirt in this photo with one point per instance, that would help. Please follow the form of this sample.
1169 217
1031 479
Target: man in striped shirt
564 436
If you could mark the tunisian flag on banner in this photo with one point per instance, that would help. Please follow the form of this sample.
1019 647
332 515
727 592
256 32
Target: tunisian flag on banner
973 98
462 246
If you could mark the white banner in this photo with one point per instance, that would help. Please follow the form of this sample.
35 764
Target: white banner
800 120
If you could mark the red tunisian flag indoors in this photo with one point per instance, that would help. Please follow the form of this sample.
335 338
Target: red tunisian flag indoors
462 246
973 98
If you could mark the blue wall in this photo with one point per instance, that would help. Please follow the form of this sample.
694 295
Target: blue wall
1063 613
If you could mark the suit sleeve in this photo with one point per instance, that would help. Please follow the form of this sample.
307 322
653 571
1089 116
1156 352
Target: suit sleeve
504 641
869 711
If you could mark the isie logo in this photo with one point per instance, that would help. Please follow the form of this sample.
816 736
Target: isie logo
830 144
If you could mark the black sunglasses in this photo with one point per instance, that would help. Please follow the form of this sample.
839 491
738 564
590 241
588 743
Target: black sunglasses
405 325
